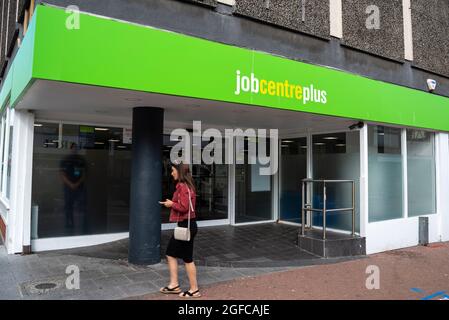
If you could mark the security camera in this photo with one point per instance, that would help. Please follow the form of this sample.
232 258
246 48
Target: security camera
431 84
358 125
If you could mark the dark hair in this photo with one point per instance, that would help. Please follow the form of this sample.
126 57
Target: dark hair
184 175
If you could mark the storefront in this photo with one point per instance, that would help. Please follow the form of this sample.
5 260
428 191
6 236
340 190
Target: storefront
69 127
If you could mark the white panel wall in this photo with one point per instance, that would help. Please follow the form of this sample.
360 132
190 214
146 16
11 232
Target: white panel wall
19 221
398 233
442 142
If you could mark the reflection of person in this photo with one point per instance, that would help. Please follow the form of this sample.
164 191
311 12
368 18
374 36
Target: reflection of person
179 206
73 174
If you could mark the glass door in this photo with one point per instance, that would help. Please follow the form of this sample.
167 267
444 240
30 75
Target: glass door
293 170
336 156
253 191
211 182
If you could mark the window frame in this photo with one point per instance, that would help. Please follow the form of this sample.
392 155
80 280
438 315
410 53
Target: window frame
404 162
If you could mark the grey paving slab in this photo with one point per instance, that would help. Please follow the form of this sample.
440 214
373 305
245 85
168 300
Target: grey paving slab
91 274
6 281
159 266
117 269
28 275
139 288
207 278
112 281
144 276
102 294
9 293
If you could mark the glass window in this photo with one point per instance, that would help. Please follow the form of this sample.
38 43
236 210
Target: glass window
80 186
385 173
421 172
336 156
211 181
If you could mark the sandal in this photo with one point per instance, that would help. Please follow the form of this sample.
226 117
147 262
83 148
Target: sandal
167 290
188 294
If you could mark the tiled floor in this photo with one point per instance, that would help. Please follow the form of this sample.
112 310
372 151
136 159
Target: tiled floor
262 245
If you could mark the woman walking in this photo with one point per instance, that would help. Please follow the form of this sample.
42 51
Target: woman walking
182 206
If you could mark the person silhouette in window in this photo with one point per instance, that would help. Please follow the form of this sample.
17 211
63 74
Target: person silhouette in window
73 170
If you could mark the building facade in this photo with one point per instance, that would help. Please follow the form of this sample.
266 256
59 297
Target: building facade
92 90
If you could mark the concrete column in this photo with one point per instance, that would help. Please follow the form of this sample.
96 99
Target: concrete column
146 186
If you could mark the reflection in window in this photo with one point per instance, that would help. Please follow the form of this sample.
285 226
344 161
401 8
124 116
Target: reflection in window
421 172
385 173
81 180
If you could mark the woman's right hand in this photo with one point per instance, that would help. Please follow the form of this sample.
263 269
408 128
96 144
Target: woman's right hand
167 203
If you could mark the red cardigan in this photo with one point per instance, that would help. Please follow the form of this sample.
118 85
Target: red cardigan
180 208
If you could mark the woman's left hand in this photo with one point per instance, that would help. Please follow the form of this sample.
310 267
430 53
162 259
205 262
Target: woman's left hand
168 203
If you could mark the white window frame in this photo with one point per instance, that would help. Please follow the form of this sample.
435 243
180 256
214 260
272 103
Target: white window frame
7 123
404 155
4 203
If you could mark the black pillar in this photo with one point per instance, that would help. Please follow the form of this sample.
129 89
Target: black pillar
146 186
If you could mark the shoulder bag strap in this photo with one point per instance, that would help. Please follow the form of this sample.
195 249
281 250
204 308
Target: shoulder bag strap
190 208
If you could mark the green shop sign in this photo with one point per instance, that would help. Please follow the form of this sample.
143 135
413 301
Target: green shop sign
116 54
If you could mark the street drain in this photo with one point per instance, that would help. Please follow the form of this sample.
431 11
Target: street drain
42 287
45 286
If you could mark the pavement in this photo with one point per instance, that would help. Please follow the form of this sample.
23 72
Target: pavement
261 259
417 273
43 276
221 253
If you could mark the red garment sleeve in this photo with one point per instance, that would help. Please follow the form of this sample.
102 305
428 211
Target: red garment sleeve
182 205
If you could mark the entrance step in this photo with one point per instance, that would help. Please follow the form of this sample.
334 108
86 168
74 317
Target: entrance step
336 244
